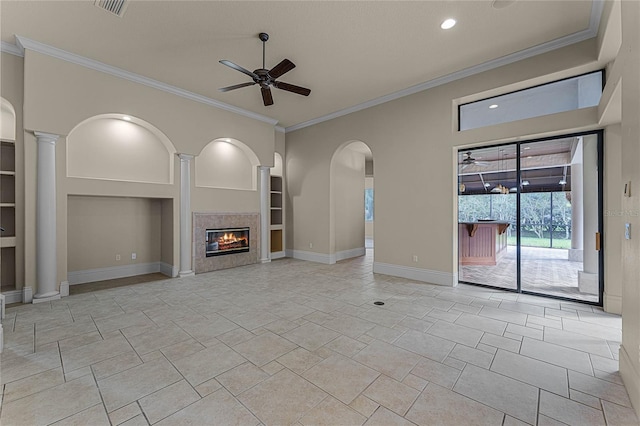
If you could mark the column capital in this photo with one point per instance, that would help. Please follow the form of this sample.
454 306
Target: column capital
185 157
46 137
264 167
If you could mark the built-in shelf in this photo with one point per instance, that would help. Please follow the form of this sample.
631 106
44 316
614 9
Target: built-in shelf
277 227
8 215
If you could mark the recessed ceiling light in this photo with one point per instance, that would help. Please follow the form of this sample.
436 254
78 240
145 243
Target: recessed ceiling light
525 182
487 184
527 147
562 182
493 106
448 23
126 118
529 156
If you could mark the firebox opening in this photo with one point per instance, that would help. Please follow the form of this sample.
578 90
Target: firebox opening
227 241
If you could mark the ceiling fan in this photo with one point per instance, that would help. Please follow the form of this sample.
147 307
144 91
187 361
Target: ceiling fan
468 160
266 78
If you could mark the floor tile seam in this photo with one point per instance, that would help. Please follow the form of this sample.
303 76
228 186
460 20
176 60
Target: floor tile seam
585 391
536 386
399 381
452 389
328 394
4 386
601 409
562 347
571 347
145 395
137 401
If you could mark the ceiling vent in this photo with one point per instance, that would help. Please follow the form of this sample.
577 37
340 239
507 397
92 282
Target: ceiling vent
117 7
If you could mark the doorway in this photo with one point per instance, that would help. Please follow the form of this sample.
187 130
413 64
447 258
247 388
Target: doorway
530 217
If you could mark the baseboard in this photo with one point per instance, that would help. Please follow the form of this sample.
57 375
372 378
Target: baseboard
169 270
13 296
64 288
348 254
278 255
631 378
101 274
311 256
612 304
418 274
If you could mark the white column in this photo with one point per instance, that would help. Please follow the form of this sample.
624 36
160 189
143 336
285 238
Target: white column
265 180
185 215
46 268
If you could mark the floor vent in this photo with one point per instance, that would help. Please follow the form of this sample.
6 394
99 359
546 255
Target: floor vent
117 7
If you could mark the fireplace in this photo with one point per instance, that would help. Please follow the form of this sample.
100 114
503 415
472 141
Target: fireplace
227 241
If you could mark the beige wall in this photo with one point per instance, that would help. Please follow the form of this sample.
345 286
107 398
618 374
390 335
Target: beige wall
629 70
59 95
99 228
413 142
347 181
11 89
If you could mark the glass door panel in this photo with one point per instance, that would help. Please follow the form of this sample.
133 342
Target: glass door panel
487 186
559 217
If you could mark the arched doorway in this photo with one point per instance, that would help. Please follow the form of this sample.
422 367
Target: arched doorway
351 187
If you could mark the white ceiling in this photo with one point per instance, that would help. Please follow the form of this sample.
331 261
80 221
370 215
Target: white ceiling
346 52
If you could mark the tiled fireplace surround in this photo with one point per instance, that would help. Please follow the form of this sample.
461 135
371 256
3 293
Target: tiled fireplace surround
203 221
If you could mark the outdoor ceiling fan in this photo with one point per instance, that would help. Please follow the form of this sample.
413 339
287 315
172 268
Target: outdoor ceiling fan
266 78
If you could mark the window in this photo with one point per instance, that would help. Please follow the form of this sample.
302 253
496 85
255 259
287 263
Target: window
583 91
368 205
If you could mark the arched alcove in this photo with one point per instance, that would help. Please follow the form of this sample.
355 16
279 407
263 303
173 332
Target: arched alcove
119 147
7 120
227 164
347 200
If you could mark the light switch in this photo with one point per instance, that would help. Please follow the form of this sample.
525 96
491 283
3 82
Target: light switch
627 231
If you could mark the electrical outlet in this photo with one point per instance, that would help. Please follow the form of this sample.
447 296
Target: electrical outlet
627 231
133 256
415 258
310 245
117 257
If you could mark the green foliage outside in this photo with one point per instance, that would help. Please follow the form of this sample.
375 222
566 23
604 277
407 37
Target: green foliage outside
541 212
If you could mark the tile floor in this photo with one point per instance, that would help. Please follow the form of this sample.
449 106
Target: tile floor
295 342
544 271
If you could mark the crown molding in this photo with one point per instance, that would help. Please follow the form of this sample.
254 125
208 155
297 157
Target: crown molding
11 49
36 46
594 22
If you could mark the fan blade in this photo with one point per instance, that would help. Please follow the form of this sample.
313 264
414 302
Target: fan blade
239 68
292 88
282 68
266 96
237 86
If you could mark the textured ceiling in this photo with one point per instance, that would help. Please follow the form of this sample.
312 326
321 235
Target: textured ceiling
346 52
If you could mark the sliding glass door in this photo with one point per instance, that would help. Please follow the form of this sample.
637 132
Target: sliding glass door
530 217
487 216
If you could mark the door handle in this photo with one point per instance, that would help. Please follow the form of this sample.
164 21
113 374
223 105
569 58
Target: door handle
598 241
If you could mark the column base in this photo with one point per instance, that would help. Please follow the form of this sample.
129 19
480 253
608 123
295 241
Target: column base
46 297
588 282
182 274
64 288
575 255
265 260
27 294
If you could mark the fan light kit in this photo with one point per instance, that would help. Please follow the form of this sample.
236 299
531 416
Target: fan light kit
266 78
